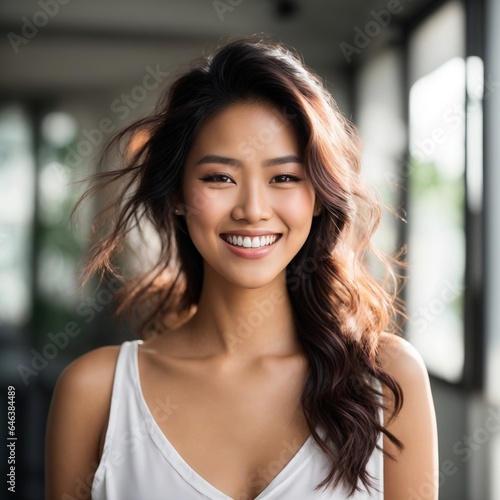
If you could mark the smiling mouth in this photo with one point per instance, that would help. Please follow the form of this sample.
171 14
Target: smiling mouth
250 242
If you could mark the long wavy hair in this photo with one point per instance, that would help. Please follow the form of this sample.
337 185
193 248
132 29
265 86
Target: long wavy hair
340 309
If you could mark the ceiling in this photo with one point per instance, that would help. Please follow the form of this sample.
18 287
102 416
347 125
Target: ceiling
94 44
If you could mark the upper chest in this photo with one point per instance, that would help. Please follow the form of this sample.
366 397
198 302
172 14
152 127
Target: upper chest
237 428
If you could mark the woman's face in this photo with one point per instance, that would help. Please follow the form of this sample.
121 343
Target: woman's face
247 201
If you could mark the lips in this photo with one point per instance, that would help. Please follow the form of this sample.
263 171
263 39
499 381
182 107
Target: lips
250 241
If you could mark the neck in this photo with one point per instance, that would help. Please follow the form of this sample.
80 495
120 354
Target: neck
235 322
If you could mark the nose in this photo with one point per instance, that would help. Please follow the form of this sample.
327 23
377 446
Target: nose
252 204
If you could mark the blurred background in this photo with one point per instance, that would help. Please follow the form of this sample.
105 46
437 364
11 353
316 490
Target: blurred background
421 80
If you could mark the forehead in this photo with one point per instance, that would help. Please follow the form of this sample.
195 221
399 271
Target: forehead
243 126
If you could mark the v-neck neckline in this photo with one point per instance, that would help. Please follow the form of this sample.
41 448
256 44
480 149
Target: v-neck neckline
296 463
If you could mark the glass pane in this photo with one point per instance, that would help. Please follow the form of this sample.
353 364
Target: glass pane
436 239
17 179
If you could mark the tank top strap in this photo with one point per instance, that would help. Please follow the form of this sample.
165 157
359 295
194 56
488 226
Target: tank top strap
122 394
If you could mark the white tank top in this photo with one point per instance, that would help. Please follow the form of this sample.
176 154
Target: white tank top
139 463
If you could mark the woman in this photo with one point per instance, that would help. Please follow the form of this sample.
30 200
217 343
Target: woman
269 366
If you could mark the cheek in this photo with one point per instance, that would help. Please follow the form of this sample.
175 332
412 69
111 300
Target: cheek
198 200
204 210
300 205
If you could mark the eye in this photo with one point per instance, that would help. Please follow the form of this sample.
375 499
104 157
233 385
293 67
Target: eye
284 178
217 178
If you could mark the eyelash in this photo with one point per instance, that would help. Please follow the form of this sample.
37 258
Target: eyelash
293 177
209 178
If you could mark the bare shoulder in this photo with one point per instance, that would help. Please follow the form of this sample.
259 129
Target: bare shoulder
405 365
77 420
402 361
84 388
415 425
95 366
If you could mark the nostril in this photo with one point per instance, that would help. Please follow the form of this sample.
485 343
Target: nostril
253 207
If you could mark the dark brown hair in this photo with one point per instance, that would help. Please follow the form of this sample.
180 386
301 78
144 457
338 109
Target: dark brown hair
340 309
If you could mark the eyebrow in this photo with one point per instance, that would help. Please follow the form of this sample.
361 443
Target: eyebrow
232 162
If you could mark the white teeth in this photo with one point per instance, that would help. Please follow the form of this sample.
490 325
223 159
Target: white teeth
255 242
